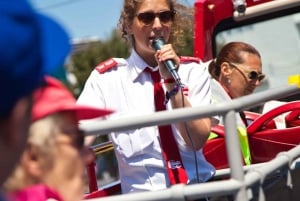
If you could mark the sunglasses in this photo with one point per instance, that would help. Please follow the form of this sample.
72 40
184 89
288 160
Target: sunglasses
252 75
147 18
78 141
77 138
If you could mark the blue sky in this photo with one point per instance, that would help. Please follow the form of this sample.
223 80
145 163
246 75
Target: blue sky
85 18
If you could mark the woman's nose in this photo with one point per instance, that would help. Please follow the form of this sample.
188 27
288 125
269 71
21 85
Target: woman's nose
157 23
257 82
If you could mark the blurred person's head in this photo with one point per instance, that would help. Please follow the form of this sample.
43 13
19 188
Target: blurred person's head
55 154
238 68
31 45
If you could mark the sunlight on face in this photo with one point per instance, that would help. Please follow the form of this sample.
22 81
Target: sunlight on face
160 26
69 160
247 76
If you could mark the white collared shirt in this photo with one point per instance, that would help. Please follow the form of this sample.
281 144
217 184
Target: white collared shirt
129 92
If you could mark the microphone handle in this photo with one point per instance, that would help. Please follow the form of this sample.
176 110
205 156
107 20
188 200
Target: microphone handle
172 69
157 45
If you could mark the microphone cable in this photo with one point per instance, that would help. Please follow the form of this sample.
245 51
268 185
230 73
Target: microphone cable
169 64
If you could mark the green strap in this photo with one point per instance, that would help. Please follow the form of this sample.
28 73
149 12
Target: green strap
244 144
242 132
212 135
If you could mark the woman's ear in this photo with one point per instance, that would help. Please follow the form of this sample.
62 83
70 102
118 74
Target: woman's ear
31 161
225 69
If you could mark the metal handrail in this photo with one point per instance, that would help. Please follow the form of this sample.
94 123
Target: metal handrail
216 188
239 182
183 114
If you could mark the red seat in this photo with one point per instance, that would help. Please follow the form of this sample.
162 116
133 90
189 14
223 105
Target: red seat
215 149
293 118
263 150
266 142
215 152
251 116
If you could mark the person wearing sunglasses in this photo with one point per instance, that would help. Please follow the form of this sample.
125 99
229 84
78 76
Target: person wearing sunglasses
238 69
236 72
126 86
53 163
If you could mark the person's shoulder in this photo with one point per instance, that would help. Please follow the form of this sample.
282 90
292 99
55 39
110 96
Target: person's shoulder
109 65
35 192
189 59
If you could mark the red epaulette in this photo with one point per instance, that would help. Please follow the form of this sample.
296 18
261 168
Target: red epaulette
184 59
106 65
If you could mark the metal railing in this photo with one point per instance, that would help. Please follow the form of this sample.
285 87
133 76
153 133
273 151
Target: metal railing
240 182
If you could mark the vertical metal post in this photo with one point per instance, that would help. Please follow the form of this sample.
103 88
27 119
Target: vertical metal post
234 152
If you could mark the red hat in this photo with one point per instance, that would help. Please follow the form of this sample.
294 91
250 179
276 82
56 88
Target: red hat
55 97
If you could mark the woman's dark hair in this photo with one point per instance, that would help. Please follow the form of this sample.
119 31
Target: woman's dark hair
231 52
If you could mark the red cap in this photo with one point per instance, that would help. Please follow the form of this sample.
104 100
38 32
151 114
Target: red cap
55 97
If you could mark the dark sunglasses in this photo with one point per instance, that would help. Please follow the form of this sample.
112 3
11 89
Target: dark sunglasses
147 18
252 75
77 138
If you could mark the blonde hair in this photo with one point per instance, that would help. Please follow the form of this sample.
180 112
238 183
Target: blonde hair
42 134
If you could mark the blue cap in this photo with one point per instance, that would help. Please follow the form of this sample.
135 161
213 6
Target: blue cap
31 45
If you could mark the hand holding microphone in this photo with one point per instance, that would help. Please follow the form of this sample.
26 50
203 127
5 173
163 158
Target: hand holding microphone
157 44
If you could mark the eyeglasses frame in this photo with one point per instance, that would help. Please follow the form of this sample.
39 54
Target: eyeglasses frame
259 76
157 14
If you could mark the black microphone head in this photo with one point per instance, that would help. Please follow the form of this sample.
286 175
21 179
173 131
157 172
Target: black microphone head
158 43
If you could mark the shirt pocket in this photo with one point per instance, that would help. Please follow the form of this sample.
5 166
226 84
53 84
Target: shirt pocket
136 142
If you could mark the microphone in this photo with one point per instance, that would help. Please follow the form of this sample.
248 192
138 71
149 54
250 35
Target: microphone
157 45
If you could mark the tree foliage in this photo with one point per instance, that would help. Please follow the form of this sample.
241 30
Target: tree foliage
84 60
87 55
